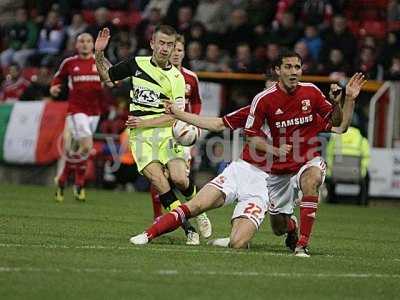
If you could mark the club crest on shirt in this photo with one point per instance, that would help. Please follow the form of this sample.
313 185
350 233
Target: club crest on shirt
306 105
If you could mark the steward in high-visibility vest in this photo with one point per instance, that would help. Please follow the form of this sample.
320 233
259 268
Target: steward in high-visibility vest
349 143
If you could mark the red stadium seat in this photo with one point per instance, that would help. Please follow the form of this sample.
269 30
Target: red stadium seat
134 17
29 73
393 26
88 16
118 17
369 14
374 28
382 3
354 27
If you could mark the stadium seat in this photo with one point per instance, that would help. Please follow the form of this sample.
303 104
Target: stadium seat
29 73
354 27
382 3
88 16
119 18
133 19
393 26
374 28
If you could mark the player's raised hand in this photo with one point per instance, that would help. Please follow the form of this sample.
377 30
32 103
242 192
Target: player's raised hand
55 90
354 85
102 39
335 93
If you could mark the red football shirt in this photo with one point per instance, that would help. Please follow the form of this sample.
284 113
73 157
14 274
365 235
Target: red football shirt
192 93
85 88
293 119
236 120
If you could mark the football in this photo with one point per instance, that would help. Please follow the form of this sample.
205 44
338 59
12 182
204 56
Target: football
184 133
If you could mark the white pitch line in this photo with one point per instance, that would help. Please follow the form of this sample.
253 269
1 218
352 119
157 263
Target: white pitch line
174 249
5 269
184 249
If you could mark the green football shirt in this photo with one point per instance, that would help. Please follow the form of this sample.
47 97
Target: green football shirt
150 85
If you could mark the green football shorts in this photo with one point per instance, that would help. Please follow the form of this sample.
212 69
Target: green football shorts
154 144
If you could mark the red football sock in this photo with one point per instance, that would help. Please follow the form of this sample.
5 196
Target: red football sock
308 209
155 200
169 222
80 171
65 174
66 171
291 225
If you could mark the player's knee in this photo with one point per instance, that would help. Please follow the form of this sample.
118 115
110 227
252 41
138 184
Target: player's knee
85 146
180 181
279 229
159 181
85 150
278 224
238 242
311 181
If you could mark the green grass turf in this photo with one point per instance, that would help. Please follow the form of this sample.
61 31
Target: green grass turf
81 251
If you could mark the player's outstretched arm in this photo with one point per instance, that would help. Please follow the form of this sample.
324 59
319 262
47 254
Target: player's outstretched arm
209 123
353 89
102 63
137 122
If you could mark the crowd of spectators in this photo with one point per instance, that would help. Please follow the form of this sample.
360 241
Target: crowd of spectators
334 38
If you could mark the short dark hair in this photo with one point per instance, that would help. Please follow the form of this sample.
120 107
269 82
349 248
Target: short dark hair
180 38
286 54
166 29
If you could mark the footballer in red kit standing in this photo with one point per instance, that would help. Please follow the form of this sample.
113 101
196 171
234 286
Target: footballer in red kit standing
291 110
84 107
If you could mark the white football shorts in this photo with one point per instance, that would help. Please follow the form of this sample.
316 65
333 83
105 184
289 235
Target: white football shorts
245 184
81 125
284 190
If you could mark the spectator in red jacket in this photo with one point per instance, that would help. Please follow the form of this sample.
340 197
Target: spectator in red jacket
14 85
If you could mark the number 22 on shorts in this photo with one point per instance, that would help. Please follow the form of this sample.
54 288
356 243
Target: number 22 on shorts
253 209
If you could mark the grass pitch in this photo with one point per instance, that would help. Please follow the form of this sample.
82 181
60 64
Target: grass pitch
81 251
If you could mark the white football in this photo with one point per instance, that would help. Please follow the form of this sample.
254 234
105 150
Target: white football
184 133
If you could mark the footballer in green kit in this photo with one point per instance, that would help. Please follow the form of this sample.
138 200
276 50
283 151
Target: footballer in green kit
153 80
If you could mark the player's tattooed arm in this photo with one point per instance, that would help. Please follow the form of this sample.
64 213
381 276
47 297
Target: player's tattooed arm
209 123
102 64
